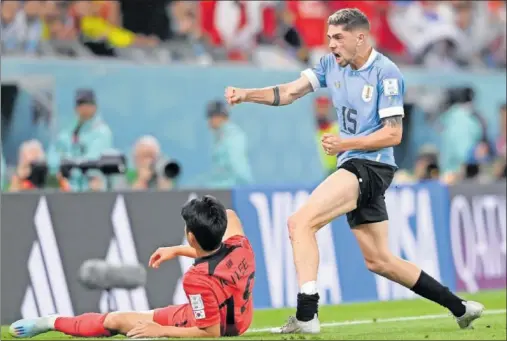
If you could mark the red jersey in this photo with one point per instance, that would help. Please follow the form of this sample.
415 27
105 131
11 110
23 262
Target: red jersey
219 287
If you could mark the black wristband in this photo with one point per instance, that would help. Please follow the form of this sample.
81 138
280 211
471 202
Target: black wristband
276 93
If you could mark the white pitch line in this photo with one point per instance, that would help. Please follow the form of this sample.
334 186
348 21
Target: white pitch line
386 320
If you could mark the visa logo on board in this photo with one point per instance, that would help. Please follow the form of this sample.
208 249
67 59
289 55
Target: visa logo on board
281 272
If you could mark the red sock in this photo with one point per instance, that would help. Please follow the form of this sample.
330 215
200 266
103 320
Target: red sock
86 325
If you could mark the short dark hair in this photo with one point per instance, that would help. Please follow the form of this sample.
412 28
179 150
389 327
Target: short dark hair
206 218
350 19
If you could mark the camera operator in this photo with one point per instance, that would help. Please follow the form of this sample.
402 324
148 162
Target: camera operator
32 170
87 138
150 170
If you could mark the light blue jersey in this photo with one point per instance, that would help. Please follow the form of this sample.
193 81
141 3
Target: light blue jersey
361 99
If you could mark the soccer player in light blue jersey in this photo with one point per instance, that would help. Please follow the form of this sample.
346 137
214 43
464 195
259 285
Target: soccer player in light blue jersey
367 90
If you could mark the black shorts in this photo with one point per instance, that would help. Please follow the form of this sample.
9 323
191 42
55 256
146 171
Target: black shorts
374 179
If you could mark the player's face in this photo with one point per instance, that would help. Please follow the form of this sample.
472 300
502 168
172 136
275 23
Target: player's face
343 44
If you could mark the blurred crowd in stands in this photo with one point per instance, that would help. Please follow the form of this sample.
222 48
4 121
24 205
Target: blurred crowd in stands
431 33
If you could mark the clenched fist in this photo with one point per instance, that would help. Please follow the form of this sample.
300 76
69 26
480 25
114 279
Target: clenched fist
332 144
235 95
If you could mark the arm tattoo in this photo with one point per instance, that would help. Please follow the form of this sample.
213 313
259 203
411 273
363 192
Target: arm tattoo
392 121
276 93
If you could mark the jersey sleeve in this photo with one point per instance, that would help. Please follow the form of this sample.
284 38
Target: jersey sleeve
317 74
241 241
202 300
391 91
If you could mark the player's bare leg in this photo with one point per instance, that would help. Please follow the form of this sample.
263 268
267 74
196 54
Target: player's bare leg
374 244
85 325
123 322
334 197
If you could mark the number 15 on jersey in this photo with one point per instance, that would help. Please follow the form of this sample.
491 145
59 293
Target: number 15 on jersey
349 120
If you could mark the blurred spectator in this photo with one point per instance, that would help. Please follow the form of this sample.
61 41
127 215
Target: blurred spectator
100 35
325 125
501 140
57 24
87 138
475 31
499 45
12 30
426 28
500 166
310 20
146 175
480 160
426 167
449 33
186 27
29 152
108 10
147 18
3 169
31 171
293 33
21 26
185 15
462 123
233 25
230 164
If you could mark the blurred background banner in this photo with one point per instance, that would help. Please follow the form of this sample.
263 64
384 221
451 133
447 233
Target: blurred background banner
45 240
478 236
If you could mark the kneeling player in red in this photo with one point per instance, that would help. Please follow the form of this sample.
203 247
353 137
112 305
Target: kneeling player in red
218 286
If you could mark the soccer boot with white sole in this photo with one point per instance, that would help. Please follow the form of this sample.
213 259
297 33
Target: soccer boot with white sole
31 327
293 326
473 312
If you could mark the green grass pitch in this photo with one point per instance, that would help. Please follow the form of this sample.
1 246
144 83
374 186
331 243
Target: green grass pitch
394 320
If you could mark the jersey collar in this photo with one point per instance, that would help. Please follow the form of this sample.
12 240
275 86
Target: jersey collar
209 257
371 59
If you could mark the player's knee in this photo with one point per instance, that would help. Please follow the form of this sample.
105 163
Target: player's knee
379 264
292 226
297 223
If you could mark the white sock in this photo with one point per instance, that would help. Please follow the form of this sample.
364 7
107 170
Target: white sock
309 288
51 321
